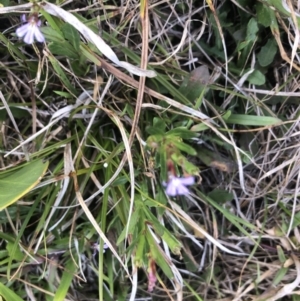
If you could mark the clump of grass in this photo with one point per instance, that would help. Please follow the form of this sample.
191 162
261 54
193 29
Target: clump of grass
89 151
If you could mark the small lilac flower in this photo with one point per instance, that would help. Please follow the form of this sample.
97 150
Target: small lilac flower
177 186
30 30
96 248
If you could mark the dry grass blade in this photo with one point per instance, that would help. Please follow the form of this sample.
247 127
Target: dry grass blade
92 37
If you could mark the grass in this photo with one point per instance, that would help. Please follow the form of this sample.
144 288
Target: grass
86 148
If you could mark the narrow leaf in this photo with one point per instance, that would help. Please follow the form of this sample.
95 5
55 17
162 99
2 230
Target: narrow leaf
8 294
252 120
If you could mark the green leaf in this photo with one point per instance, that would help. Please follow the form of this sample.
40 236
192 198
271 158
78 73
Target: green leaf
195 84
155 131
267 53
8 294
280 274
221 196
278 5
17 254
172 242
15 184
136 215
252 120
252 30
184 147
52 35
63 48
66 280
182 132
200 127
159 123
158 227
263 14
162 156
186 165
140 250
281 255
156 253
256 78
4 2
72 35
63 94
61 74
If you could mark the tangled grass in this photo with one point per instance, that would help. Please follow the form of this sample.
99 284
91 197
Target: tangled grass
103 143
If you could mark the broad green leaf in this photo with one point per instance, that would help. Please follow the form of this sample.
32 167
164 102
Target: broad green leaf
63 48
52 35
263 14
15 184
252 120
256 78
8 294
267 53
159 123
72 35
221 196
14 254
4 3
195 84
155 131
278 4
252 30
54 23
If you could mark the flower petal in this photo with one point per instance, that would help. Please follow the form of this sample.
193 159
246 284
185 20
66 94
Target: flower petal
177 186
29 37
22 31
171 189
38 35
187 181
23 18
182 190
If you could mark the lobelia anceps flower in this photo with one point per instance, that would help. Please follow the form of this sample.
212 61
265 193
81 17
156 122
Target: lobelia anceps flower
96 248
30 30
177 186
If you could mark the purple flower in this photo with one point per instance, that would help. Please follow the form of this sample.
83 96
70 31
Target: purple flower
30 30
177 186
96 248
